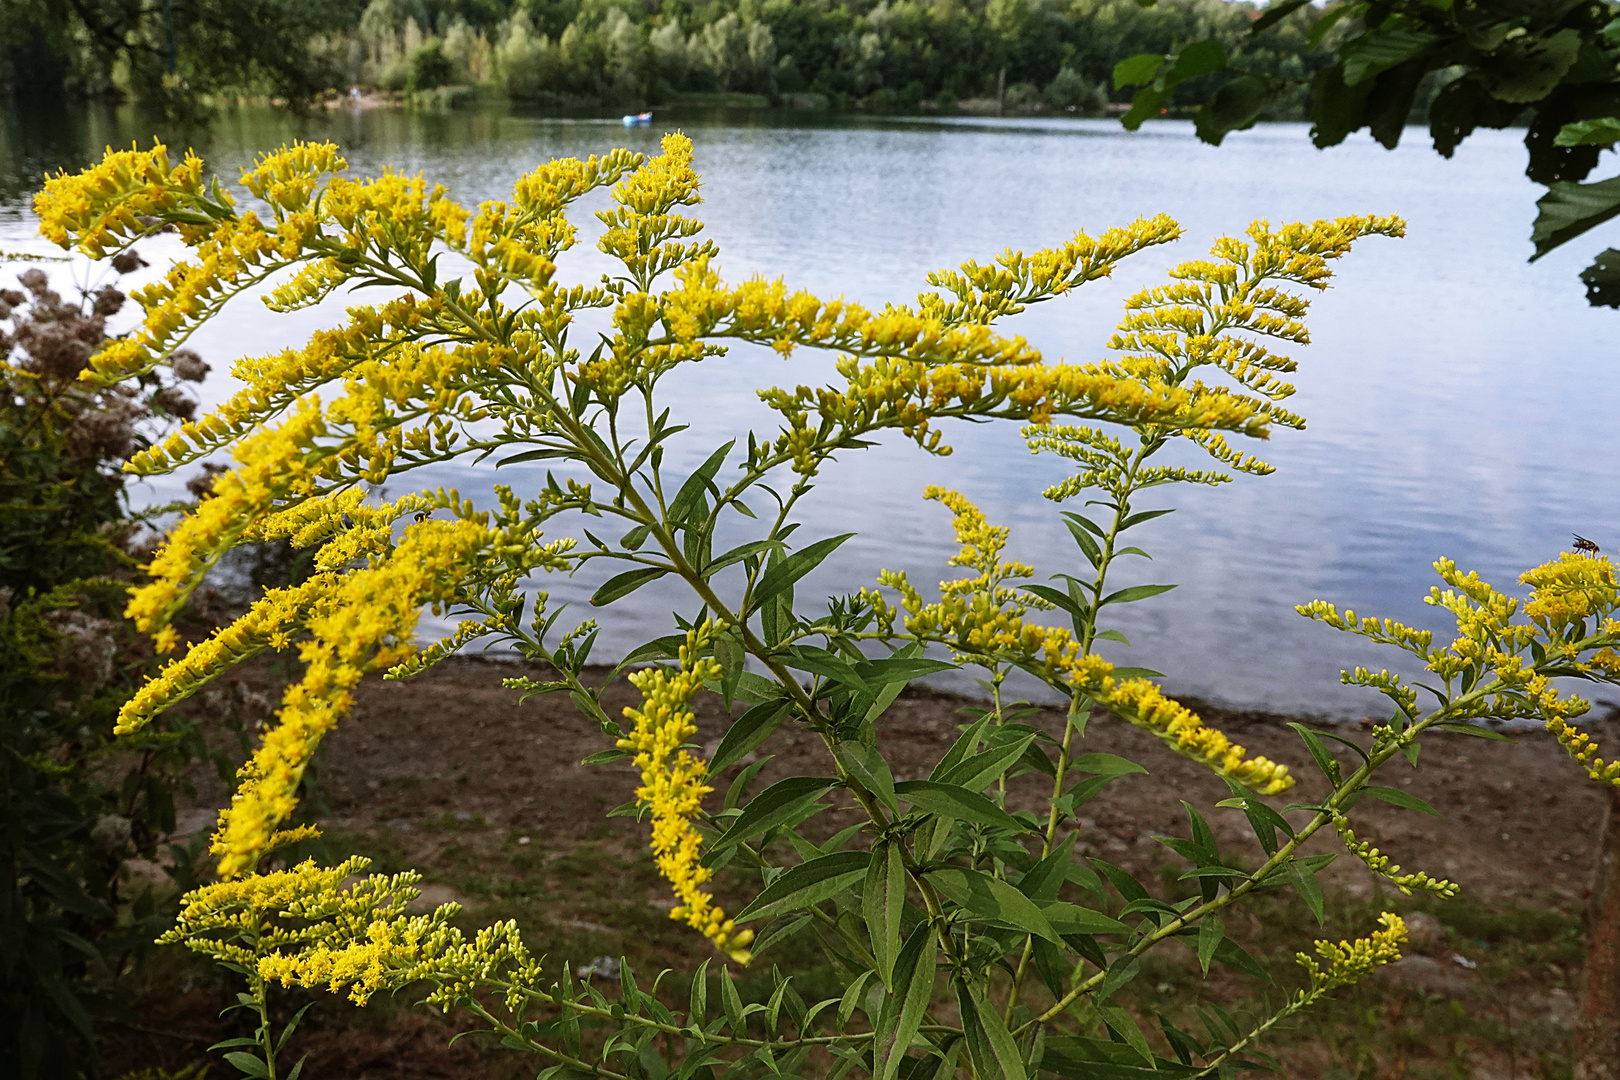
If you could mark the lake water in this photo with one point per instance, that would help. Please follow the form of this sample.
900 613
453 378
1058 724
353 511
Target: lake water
1461 402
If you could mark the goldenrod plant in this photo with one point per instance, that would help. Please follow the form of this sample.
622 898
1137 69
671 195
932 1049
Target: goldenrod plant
972 937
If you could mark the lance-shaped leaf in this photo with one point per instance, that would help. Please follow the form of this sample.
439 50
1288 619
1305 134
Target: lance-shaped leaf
906 1005
774 806
883 899
993 900
622 585
991 1047
783 574
978 771
808 884
698 484
948 800
750 729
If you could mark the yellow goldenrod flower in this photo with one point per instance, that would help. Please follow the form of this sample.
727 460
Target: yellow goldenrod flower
1380 865
672 787
1348 961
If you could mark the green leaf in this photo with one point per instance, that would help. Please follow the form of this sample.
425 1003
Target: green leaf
1476 730
738 554
1211 932
729 651
1231 954
664 648
771 807
782 933
1067 918
883 899
532 455
990 1044
899 669
868 766
699 1008
732 1003
949 800
750 729
965 744
795 566
1106 765
1198 58
1238 105
992 899
1396 797
1120 973
1134 593
1145 103
1569 209
1329 20
250 1064
1122 1024
852 998
808 884
1309 889
905 1007
1275 14
701 481
1137 70
1379 50
622 585
979 771
739 786
1529 67
1319 754
1602 131
1096 1059
1043 881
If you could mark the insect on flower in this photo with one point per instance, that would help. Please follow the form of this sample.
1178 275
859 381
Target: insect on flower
1584 545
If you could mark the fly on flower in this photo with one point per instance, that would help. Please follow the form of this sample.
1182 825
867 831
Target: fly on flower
1582 544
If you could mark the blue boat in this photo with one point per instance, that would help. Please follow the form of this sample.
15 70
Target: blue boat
638 119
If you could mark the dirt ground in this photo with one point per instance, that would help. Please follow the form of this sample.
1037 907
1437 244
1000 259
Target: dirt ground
449 774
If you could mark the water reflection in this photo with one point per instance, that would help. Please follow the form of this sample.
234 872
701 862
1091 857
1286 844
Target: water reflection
1460 400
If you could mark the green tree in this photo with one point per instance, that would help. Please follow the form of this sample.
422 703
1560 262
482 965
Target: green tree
170 51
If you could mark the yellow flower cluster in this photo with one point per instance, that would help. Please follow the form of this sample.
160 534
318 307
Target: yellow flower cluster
1348 961
1572 588
100 208
1568 622
672 786
365 620
317 925
980 617
1380 865
1142 703
270 464
268 624
641 231
385 955
982 620
986 293
1200 320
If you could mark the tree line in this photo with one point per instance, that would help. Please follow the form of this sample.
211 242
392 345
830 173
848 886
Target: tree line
838 53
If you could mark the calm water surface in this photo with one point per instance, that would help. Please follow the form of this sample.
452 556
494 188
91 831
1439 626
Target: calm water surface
1461 402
